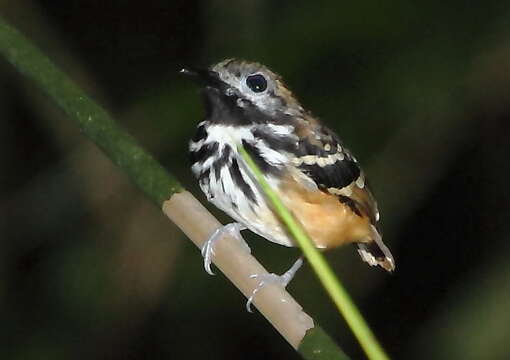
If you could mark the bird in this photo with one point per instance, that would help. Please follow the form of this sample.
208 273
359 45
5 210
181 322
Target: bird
305 162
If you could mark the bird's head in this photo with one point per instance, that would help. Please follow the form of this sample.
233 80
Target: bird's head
245 92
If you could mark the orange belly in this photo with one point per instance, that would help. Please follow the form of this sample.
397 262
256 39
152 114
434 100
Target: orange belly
329 222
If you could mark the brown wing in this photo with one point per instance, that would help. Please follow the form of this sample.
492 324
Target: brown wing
324 159
326 162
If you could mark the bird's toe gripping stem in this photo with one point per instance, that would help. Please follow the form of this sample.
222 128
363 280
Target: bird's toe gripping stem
232 229
282 280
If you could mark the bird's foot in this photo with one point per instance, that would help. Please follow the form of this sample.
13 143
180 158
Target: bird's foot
233 229
282 280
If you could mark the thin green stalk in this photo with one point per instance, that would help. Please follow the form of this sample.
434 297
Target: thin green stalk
91 118
334 288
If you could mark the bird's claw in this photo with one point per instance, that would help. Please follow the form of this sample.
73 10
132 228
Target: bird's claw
282 280
232 229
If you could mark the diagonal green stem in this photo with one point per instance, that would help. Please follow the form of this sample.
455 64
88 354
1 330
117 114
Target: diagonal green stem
334 288
92 119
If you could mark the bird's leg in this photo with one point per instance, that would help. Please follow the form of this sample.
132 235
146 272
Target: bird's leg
265 279
232 229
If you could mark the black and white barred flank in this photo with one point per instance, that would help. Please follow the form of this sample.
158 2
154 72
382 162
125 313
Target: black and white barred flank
276 149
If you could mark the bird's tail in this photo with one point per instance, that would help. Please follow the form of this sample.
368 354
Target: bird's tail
376 253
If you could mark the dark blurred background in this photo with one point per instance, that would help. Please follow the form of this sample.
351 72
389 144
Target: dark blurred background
420 91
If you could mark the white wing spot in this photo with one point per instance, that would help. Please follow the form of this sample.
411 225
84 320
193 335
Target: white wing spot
321 161
360 181
346 191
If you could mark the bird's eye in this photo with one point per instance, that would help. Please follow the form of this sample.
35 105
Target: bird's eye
257 83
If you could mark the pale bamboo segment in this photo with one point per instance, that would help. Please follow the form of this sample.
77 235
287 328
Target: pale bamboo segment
235 261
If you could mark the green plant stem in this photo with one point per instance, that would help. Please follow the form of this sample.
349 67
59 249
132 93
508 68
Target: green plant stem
119 146
92 119
336 291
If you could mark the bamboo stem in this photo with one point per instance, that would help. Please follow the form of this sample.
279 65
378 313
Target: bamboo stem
235 261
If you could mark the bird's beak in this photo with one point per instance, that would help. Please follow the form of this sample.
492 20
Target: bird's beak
203 76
